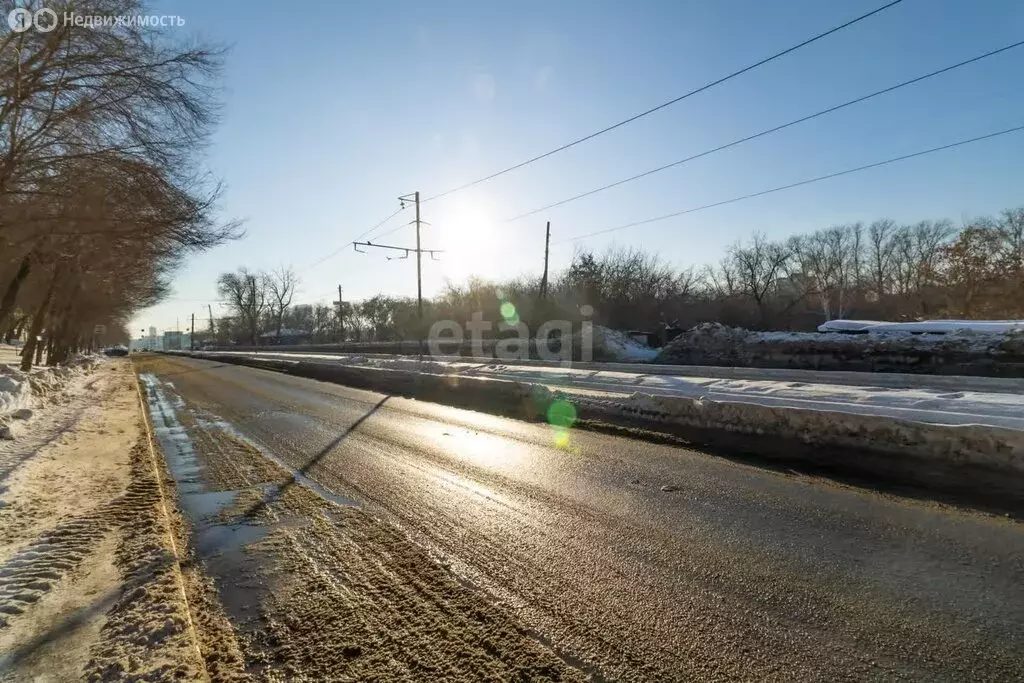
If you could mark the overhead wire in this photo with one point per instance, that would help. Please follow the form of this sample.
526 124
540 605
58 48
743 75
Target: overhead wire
392 231
310 266
669 103
349 242
789 186
768 131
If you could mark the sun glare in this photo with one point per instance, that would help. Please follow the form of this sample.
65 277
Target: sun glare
470 235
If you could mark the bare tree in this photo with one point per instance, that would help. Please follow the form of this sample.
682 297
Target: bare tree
759 267
829 261
100 190
723 280
73 93
246 295
881 248
281 286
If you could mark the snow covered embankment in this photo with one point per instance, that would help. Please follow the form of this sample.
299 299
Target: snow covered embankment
985 349
23 392
903 443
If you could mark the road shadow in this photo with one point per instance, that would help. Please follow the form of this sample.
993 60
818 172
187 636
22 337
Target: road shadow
191 370
301 474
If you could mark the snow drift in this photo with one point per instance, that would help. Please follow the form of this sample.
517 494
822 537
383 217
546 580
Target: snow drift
925 326
22 392
875 349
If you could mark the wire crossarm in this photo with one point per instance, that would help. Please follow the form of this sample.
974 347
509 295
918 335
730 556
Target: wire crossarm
407 250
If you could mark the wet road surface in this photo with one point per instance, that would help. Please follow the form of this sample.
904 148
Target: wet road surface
637 561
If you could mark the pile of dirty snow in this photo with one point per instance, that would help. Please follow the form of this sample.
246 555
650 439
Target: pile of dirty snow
875 348
611 344
707 340
925 326
15 391
22 392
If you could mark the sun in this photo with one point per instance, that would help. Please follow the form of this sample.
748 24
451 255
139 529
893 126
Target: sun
469 234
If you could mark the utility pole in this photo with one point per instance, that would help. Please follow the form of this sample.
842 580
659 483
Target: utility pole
419 261
341 315
419 250
192 334
547 248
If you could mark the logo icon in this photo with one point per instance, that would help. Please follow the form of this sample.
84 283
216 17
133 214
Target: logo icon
20 19
46 20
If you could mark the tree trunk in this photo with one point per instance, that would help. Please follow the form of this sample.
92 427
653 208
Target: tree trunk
51 350
37 326
11 295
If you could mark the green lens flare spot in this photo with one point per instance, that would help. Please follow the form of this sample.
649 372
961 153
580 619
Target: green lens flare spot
562 438
508 311
561 413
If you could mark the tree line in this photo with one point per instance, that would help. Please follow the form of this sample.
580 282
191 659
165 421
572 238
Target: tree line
882 270
102 194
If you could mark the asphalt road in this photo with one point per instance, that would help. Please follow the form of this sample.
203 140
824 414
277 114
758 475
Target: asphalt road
638 561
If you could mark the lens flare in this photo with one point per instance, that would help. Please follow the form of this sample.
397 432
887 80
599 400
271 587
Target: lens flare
562 414
508 311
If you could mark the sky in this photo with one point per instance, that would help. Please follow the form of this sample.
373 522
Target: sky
332 111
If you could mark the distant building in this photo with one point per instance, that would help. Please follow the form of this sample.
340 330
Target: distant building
172 340
146 342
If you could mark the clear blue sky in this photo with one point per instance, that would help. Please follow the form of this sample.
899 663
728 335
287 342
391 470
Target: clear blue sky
333 109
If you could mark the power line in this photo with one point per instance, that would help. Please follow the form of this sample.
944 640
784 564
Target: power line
392 231
358 237
797 184
769 131
642 114
367 232
310 266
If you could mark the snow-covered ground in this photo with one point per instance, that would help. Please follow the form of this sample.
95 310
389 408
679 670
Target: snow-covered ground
978 336
942 406
621 346
924 326
23 392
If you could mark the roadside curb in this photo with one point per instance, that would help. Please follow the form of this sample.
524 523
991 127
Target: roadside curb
169 528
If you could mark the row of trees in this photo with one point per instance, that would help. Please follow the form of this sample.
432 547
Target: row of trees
260 305
880 271
101 193
883 271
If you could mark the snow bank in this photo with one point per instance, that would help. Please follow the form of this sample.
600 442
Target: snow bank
614 345
925 326
960 351
15 391
21 392
901 443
